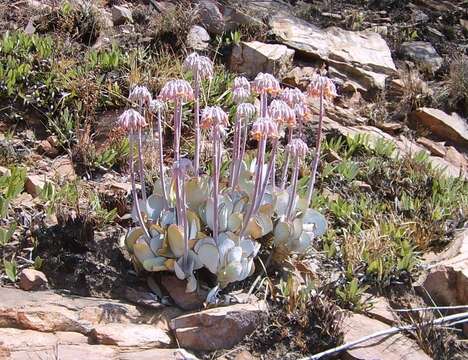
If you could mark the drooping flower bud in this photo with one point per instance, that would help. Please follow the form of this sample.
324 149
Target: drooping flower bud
246 111
266 83
297 148
199 64
319 81
214 116
264 127
282 113
140 95
176 90
240 89
131 120
292 96
156 105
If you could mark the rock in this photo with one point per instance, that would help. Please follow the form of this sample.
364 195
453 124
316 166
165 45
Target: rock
217 328
298 76
121 15
211 17
176 289
455 157
464 24
47 311
436 148
362 56
63 169
380 310
396 347
4 171
449 127
130 335
447 280
46 148
158 354
34 184
30 28
30 279
198 38
253 57
390 127
423 53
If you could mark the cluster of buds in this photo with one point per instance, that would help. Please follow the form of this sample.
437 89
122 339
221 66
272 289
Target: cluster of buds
176 90
321 85
200 66
264 128
240 90
131 120
280 111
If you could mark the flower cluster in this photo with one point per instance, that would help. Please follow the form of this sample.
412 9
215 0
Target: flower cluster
192 220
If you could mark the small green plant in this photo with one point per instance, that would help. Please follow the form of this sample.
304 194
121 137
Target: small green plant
11 269
6 234
348 169
351 295
384 148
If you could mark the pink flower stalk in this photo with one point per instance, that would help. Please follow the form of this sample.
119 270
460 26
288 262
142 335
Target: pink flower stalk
265 84
177 91
297 149
140 95
215 118
326 90
157 107
262 129
241 90
201 68
131 120
180 170
245 112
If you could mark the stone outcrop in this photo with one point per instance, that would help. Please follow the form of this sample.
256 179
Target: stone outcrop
448 127
30 279
361 56
253 57
423 53
47 325
396 347
217 328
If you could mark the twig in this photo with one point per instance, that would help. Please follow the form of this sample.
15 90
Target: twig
391 331
435 308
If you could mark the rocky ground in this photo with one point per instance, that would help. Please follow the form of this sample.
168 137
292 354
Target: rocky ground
392 181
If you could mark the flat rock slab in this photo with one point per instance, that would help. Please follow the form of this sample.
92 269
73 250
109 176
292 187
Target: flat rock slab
396 347
47 325
363 56
253 57
49 311
449 127
217 328
130 335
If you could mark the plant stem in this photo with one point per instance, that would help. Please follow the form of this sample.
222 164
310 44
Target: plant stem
317 150
235 150
177 126
197 124
161 163
263 104
258 181
215 182
141 166
185 220
134 191
243 141
270 172
284 175
292 194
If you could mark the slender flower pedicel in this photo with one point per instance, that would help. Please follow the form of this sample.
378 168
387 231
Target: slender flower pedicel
132 120
215 118
297 150
157 107
201 68
324 88
177 91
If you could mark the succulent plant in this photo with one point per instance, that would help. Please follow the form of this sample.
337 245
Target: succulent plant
192 220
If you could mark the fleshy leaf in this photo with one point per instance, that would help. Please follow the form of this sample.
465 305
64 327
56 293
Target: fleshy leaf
155 264
154 207
142 250
209 257
175 235
132 236
314 217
